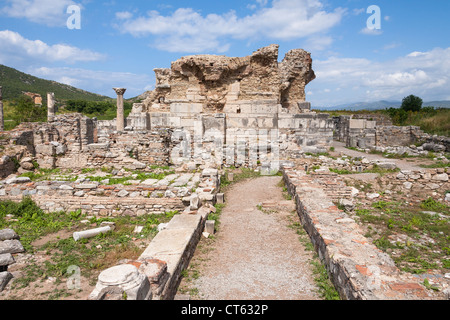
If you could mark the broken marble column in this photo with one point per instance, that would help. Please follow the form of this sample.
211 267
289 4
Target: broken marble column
90 233
127 277
194 202
50 106
209 226
2 123
120 111
220 198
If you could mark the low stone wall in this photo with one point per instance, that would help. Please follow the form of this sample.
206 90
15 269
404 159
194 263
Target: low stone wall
159 267
175 245
358 270
432 182
354 165
150 196
397 136
364 133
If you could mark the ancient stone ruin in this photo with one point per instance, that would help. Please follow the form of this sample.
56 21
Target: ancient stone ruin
214 84
215 109
207 113
221 100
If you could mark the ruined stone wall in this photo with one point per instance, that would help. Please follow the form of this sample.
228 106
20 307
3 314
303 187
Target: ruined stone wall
73 141
364 131
424 182
212 82
397 136
357 268
380 119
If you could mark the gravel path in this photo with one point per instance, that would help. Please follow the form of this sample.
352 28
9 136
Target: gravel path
255 255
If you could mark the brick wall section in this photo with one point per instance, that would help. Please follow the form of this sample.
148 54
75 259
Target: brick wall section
358 270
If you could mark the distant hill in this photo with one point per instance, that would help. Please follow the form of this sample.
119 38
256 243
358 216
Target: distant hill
15 82
383 104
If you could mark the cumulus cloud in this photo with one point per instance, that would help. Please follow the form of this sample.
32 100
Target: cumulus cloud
371 32
97 81
123 15
48 12
426 74
14 47
318 43
282 20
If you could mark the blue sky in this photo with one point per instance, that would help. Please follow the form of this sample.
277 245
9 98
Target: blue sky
119 43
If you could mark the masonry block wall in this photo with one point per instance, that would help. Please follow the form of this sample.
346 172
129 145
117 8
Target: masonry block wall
364 133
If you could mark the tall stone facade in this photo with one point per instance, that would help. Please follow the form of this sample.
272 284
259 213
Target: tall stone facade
205 109
230 101
211 83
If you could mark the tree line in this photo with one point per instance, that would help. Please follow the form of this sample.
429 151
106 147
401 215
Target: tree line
24 109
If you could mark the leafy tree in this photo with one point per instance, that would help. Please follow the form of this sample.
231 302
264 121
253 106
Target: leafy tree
412 103
26 111
97 108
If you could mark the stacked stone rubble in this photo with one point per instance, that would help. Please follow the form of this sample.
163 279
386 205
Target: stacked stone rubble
9 245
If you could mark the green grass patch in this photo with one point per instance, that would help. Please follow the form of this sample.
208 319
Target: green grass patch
90 255
417 254
242 174
438 164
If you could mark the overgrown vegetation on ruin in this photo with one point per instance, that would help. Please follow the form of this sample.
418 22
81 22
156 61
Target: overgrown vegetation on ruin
102 110
416 235
42 174
430 119
49 235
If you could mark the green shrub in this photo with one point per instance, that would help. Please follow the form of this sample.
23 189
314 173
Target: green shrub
431 204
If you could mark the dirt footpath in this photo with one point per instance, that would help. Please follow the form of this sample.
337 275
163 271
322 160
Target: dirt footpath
255 255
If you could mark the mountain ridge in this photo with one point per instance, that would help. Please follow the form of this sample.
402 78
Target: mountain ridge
15 82
381 104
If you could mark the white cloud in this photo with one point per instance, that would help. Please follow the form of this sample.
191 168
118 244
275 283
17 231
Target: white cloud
100 82
16 48
194 32
318 43
371 32
426 74
392 45
124 15
357 12
49 12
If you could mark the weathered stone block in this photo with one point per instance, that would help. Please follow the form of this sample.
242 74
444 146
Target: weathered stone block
440 177
6 259
220 198
45 149
5 277
209 226
126 276
11 246
8 234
